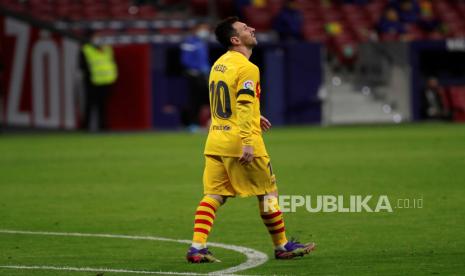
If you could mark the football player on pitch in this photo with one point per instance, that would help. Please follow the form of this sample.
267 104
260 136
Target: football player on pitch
236 161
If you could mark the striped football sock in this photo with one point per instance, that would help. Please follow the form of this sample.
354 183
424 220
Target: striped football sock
273 220
204 217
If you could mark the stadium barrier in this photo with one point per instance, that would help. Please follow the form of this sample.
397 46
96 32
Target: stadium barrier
44 90
41 80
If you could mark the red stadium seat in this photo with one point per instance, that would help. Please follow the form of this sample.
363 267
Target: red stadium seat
389 37
435 36
225 8
199 7
374 10
414 31
314 32
258 18
147 12
312 16
120 11
274 6
456 28
117 2
96 11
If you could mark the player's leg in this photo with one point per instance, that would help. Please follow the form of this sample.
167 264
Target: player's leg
203 223
216 189
204 218
274 222
257 178
273 218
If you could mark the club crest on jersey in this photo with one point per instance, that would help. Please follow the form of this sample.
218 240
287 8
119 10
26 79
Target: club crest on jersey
248 84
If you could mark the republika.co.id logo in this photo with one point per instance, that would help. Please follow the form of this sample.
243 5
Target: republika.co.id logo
339 203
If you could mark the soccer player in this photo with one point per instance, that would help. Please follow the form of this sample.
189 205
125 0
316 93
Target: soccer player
236 161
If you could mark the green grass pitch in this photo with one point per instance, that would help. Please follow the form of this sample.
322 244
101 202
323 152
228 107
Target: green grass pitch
150 184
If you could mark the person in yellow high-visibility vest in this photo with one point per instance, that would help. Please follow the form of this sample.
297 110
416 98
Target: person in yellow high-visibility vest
100 71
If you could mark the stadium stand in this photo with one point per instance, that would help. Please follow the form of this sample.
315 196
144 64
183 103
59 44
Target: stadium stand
357 18
355 21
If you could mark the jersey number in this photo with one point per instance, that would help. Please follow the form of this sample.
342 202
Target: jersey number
220 100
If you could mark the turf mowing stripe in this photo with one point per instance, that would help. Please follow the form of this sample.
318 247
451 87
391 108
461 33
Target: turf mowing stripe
254 258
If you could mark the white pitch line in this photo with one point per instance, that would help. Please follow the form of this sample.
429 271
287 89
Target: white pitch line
254 258
90 269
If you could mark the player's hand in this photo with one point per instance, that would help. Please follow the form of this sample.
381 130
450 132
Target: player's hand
247 155
264 123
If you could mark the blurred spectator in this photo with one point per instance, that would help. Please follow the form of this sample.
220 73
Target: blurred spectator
258 3
289 22
100 72
390 24
408 10
194 58
333 28
240 4
434 107
426 7
428 22
341 45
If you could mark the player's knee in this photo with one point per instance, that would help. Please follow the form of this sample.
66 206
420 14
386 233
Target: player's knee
221 199
267 196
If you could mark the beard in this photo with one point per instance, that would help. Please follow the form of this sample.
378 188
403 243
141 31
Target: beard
251 43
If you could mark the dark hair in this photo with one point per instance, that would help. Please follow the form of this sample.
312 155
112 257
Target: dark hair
224 31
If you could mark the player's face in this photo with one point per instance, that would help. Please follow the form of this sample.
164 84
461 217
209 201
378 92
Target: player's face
245 34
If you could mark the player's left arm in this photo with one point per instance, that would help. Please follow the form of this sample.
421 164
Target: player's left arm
248 77
265 124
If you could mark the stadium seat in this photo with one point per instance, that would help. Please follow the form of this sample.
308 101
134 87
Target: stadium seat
274 6
96 11
414 31
147 12
386 37
199 7
225 8
259 18
435 36
312 16
314 33
374 10
120 11
117 2
461 8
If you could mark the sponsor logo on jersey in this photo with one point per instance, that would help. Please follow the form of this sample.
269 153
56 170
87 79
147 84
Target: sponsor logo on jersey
221 127
248 84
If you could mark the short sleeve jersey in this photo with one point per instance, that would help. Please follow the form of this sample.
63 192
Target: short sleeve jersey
233 78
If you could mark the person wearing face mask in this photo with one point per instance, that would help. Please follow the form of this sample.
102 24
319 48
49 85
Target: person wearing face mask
99 69
236 160
194 59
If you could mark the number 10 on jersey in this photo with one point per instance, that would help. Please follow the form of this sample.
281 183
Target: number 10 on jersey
220 100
